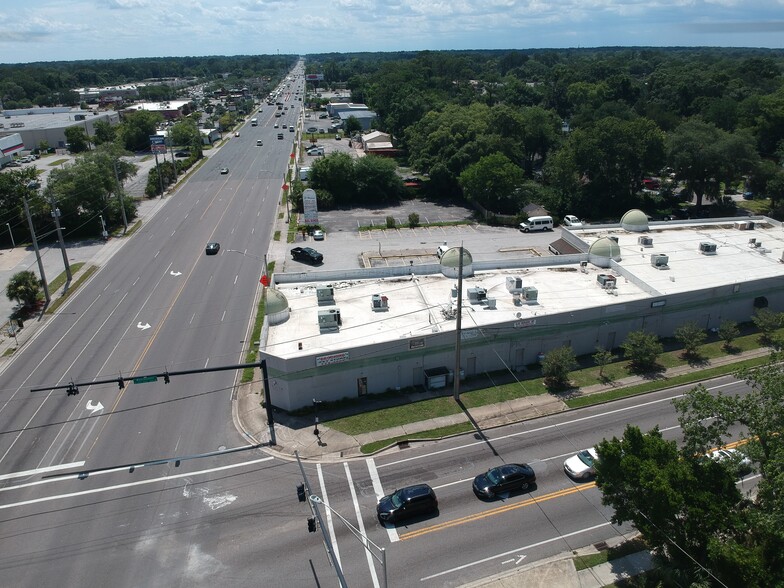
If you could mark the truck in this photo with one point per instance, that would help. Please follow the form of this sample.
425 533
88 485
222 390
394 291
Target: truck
254 122
307 254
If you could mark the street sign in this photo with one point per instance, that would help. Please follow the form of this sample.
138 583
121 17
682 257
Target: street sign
157 144
145 379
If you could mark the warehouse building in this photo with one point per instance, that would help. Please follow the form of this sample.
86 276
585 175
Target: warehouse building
334 335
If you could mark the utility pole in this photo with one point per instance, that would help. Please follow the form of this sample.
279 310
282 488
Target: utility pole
56 216
456 383
120 196
158 169
13 243
37 253
104 233
268 402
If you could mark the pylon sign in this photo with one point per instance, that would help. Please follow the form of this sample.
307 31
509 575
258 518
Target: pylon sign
157 144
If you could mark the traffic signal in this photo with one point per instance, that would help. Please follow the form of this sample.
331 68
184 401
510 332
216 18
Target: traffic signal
72 389
166 378
121 383
301 492
312 525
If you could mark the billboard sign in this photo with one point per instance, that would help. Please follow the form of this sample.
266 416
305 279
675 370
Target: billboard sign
157 144
309 207
314 77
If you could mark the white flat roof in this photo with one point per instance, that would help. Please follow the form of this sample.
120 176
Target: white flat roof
417 306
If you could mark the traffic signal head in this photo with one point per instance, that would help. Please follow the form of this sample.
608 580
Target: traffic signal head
312 525
301 492
166 378
121 383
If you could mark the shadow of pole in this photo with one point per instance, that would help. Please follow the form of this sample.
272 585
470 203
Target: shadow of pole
479 433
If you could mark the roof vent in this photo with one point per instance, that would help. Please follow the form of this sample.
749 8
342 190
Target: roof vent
605 280
660 261
645 241
707 248
477 295
530 294
379 303
325 295
329 320
514 284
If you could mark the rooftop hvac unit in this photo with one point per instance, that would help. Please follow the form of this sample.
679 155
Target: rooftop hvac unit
490 303
329 320
659 260
645 241
530 294
514 284
707 248
379 302
744 225
605 279
325 295
477 295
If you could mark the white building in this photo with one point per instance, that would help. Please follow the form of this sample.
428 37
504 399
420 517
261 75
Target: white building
350 333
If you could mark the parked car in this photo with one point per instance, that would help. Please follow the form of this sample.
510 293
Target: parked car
572 222
213 248
323 115
13 163
651 184
407 502
316 151
237 134
182 154
504 478
739 464
318 235
337 137
582 465
307 254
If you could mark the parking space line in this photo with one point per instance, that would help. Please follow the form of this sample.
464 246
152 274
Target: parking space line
361 525
379 490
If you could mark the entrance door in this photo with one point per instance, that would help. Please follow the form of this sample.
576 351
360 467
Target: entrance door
361 386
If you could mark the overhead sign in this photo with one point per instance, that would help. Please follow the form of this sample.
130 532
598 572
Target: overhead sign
145 379
309 207
157 144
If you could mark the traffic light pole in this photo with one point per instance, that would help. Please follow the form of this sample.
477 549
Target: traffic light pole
327 543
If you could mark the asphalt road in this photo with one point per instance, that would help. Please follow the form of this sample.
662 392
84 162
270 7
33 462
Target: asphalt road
234 520
198 309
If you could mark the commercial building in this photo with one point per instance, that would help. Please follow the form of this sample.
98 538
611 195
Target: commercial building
333 335
37 125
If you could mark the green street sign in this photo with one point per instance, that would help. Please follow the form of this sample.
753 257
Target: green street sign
145 379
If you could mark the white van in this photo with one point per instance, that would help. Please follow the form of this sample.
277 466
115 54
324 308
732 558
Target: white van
537 223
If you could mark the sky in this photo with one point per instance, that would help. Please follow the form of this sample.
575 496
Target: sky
68 30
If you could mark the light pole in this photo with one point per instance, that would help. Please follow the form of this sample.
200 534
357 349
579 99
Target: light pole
380 556
56 216
37 252
315 406
13 243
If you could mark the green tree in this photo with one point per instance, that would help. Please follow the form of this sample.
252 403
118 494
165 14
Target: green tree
77 139
104 132
556 367
603 357
642 349
136 129
376 180
728 332
684 505
25 288
352 125
334 174
493 182
690 336
703 156
767 322
186 133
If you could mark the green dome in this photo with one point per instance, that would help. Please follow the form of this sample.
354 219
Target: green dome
452 257
605 247
635 221
276 302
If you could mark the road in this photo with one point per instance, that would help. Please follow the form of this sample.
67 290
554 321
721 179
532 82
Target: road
234 520
159 304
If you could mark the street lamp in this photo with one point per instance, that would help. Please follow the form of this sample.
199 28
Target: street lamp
376 552
13 243
315 406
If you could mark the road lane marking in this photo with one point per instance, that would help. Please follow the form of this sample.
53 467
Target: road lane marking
513 551
328 515
120 486
496 511
379 490
361 525
54 468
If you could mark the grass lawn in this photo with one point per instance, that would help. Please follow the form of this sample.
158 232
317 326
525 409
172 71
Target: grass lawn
395 416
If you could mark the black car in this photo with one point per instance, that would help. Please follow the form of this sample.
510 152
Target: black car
307 254
407 502
213 248
182 154
504 478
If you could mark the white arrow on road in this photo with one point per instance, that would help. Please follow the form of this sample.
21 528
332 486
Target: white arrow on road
175 273
143 327
520 559
94 407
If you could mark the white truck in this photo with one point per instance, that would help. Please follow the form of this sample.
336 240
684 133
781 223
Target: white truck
254 122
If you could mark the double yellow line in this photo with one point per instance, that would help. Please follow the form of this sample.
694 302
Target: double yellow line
496 511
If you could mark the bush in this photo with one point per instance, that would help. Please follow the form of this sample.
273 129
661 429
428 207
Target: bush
391 222
413 220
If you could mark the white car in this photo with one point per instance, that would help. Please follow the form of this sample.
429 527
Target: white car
572 222
582 465
740 464
318 235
